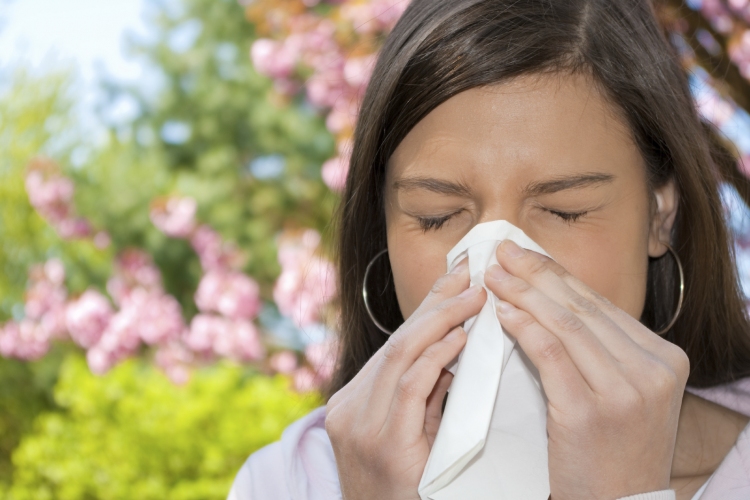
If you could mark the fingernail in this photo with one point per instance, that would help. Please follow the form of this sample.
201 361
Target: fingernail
453 334
504 307
470 292
511 249
461 266
497 273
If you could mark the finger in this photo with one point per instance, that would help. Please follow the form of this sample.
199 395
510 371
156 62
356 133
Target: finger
409 403
561 378
449 285
406 345
630 325
594 361
549 277
435 402
637 348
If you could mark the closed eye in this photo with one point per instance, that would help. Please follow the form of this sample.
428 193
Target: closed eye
569 217
428 223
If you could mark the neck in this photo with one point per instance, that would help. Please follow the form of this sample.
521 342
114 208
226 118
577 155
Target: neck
706 432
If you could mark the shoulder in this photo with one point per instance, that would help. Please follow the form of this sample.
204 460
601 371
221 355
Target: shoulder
300 466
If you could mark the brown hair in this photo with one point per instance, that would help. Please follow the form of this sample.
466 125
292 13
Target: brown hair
440 48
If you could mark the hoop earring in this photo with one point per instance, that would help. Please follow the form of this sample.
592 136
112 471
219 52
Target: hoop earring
364 294
682 291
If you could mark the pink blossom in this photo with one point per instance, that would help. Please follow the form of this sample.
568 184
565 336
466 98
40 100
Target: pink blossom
283 362
53 322
343 115
272 58
243 342
374 16
133 269
46 294
715 109
357 70
102 240
204 328
235 339
175 217
149 316
304 380
307 282
334 172
100 361
54 271
159 315
25 340
175 359
212 251
74 228
88 317
325 88
322 358
230 293
51 195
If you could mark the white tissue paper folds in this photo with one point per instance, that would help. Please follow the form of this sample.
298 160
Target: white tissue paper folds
492 440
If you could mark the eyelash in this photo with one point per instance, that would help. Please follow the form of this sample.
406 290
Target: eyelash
569 217
429 223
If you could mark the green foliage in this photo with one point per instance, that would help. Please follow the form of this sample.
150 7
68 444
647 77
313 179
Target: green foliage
132 434
25 392
35 118
209 90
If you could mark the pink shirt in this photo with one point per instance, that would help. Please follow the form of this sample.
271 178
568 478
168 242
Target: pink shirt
301 466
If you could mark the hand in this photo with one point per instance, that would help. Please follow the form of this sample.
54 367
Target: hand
382 423
614 388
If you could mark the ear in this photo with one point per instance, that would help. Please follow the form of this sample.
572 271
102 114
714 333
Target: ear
662 219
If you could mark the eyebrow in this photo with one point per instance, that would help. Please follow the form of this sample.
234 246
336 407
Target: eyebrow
563 183
435 185
534 189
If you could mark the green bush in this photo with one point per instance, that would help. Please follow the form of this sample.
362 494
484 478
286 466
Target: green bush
133 435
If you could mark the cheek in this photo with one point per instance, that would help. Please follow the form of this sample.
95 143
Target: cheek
415 267
614 265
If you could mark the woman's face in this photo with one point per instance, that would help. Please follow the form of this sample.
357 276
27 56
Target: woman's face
549 155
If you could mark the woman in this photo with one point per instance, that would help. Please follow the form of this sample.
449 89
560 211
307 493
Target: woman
572 120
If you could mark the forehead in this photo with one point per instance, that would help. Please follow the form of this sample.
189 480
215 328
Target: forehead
537 123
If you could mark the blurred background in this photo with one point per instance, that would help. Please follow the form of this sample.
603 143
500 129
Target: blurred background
169 173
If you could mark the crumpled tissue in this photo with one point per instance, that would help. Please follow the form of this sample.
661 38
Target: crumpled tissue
492 440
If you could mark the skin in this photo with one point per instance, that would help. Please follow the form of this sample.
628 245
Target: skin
550 155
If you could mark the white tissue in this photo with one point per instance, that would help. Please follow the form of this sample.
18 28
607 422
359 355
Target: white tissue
492 440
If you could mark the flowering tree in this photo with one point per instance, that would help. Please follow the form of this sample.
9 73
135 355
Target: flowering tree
323 53
183 214
140 312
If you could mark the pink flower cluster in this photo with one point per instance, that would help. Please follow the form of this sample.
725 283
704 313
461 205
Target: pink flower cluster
44 314
51 195
338 80
139 313
307 282
321 362
228 300
373 16
146 314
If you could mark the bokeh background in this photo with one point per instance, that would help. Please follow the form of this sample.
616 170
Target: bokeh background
169 174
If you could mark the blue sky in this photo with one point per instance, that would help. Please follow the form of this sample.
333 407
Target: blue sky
86 35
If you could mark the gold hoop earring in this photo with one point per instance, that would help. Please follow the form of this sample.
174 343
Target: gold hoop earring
678 310
364 294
